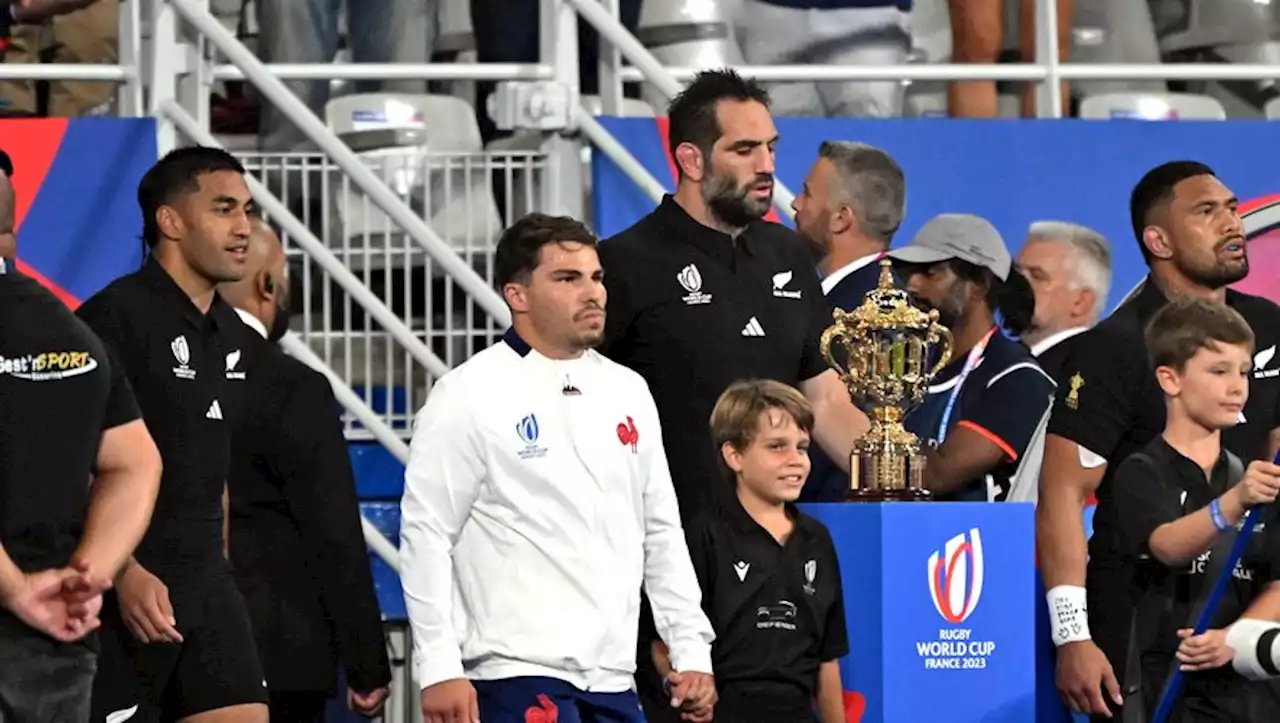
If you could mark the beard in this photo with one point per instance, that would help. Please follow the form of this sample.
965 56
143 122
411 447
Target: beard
819 247
731 203
953 307
1215 273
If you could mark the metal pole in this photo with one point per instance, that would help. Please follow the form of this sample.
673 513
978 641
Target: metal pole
1048 91
394 71
297 112
616 152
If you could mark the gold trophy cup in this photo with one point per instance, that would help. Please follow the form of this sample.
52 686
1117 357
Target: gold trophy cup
880 350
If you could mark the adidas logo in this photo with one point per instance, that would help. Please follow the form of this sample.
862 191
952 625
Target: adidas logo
215 411
753 328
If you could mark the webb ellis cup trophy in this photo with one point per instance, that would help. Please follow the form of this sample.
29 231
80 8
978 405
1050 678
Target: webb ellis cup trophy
880 350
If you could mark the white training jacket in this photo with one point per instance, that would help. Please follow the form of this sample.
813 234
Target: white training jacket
537 500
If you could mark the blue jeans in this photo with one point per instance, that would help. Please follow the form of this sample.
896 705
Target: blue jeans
525 700
42 679
306 31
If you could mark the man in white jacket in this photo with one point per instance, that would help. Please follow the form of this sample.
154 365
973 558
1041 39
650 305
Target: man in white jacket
537 502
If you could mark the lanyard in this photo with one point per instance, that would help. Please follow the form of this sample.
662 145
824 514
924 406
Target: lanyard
975 356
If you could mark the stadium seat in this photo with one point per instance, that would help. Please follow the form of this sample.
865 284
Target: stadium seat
1151 106
1272 109
437 168
687 33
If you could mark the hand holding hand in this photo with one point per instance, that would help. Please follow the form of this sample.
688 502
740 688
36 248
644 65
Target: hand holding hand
368 704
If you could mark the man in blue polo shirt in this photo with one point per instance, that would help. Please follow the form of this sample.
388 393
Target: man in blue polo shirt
983 410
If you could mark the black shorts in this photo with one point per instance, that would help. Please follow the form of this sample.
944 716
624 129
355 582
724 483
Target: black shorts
42 679
215 666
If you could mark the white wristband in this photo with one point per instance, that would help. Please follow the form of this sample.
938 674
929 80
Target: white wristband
1255 648
1068 614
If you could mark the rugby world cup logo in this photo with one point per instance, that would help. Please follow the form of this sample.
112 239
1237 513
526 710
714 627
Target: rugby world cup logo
955 577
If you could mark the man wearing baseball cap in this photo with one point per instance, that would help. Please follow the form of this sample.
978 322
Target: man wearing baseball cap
982 415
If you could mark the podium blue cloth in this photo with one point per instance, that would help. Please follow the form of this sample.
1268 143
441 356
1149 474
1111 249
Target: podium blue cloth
941 610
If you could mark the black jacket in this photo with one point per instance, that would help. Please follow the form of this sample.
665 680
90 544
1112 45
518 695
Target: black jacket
295 539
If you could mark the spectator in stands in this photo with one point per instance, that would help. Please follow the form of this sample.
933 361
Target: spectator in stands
977 36
537 502
68 416
306 31
295 539
982 412
850 207
828 32
176 614
60 31
1069 267
1188 226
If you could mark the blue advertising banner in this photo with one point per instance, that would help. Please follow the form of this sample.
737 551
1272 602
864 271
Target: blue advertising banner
940 607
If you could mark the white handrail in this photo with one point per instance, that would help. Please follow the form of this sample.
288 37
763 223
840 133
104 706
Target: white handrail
67 71
1026 72
613 31
383 547
396 71
1015 72
315 248
313 128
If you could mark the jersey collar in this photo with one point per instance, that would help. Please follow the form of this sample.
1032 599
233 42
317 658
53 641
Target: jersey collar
692 231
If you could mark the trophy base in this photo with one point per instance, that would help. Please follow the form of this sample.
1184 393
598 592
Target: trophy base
890 495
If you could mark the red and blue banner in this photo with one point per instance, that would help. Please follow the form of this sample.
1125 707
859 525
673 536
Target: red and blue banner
75 183
1010 172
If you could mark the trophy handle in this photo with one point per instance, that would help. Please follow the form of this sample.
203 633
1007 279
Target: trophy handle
942 336
829 337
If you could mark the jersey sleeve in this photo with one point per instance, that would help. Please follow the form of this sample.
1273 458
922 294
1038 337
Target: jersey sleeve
835 633
104 318
1011 408
1143 502
1101 387
122 407
620 310
700 536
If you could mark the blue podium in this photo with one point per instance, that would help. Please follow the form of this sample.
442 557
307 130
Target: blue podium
940 605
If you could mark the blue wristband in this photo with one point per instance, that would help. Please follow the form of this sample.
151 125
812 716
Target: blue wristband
1219 520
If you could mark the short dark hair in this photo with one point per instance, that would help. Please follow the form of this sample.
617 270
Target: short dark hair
1187 324
1155 189
736 416
176 175
692 113
520 248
